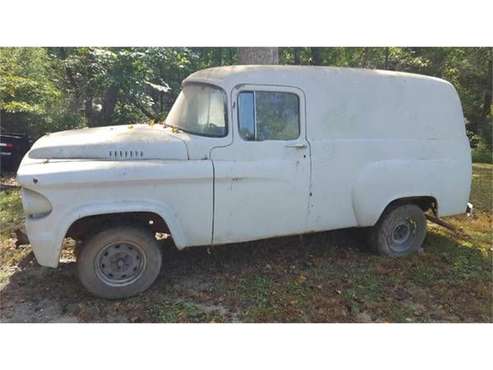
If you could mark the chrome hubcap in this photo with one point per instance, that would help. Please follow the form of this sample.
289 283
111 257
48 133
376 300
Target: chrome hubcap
120 264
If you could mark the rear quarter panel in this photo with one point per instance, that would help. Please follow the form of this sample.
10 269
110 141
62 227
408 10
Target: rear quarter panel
377 138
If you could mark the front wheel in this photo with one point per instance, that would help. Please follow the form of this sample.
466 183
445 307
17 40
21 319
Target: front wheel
400 231
119 262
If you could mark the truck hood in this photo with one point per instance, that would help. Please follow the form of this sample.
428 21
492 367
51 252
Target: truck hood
133 142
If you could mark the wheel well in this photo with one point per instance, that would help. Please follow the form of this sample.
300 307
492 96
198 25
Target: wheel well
90 225
425 203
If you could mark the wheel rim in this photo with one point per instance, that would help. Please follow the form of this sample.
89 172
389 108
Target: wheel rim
120 264
402 235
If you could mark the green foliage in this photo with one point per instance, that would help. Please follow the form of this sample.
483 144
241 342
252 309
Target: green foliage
30 96
25 80
49 89
123 85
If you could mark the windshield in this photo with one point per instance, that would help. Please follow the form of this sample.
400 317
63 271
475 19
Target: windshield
201 110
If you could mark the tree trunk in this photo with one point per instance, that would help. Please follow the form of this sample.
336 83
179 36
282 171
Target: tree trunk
2 119
161 103
89 113
364 58
297 56
488 94
259 56
218 56
75 103
231 55
386 63
316 56
109 102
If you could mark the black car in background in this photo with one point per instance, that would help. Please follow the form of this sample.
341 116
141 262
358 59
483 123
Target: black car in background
13 146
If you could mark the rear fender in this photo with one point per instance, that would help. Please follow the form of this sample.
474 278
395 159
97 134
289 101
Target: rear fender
383 182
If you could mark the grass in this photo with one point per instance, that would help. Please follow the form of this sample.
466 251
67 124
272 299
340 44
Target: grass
182 311
324 277
10 212
482 187
482 154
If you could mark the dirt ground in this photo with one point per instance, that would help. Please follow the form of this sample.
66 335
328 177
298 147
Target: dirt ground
323 277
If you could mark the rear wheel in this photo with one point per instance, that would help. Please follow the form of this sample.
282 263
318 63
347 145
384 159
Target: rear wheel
119 262
400 231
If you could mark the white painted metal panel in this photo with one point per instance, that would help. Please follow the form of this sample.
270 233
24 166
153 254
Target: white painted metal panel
125 142
356 118
261 187
179 191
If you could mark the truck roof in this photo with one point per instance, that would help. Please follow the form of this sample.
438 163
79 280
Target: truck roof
231 76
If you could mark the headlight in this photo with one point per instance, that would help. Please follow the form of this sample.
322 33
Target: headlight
35 205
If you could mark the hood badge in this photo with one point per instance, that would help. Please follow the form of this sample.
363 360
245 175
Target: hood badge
126 154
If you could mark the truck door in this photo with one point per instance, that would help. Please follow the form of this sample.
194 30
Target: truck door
261 181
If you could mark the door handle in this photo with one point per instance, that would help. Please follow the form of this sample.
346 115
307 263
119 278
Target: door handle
297 146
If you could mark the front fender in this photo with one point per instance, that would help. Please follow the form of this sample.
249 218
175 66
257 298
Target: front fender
47 234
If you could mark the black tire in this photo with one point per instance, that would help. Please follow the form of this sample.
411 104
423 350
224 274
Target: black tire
400 231
119 262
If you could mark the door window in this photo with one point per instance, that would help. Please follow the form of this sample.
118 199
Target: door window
266 115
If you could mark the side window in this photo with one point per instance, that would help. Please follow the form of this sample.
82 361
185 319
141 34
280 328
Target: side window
246 115
265 115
